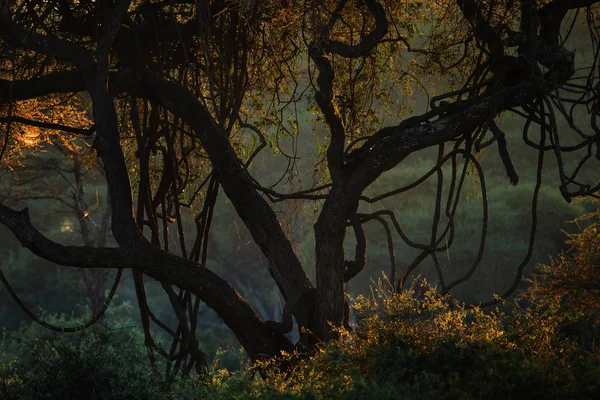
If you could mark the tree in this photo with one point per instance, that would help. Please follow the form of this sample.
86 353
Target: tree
185 94
65 174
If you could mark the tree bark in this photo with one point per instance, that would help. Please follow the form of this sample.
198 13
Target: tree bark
330 231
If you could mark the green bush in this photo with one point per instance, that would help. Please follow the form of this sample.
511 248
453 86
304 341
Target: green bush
107 361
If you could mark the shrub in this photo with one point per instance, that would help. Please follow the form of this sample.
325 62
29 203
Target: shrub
107 361
404 346
433 348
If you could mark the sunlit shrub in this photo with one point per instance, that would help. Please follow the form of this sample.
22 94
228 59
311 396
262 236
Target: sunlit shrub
570 285
430 347
573 278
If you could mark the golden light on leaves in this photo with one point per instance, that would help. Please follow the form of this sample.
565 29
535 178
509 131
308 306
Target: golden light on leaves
26 140
29 136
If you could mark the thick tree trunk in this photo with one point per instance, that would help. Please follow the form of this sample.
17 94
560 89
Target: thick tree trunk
330 231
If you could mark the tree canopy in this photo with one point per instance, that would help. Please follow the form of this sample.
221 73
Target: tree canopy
177 98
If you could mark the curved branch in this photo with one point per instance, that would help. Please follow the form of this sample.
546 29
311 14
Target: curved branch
50 45
49 125
52 83
257 338
483 30
390 239
63 329
258 217
552 14
302 194
534 218
370 41
237 183
357 265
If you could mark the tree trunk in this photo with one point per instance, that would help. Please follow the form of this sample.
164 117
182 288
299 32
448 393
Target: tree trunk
330 231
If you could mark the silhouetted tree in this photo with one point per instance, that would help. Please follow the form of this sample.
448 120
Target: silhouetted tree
184 94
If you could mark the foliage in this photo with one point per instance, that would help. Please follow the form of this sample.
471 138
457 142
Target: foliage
417 344
573 277
177 98
427 346
56 288
571 282
108 361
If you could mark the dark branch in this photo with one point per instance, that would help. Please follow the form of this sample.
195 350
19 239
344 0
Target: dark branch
49 125
164 267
